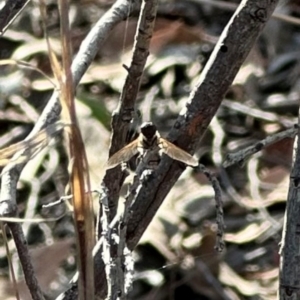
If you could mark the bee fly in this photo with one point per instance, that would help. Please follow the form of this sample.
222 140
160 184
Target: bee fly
150 140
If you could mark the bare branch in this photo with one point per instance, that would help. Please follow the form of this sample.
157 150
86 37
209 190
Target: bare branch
240 156
21 245
9 12
50 115
233 47
123 116
219 206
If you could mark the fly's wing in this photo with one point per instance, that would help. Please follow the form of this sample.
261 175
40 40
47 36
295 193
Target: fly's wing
123 155
177 154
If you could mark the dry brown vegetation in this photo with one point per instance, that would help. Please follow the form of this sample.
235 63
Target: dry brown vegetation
175 258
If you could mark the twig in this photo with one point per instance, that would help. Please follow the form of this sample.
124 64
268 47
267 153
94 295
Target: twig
123 274
289 287
9 12
125 113
50 115
114 258
116 255
240 156
233 47
20 242
219 207
10 263
109 252
125 260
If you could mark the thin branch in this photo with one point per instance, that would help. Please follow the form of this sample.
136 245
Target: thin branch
231 50
116 255
289 286
219 206
125 113
9 12
233 47
109 251
240 156
9 260
50 115
25 260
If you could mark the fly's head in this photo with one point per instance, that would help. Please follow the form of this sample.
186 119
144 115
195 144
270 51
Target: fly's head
148 129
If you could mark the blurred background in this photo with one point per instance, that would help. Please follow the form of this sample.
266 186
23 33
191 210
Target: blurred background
175 258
